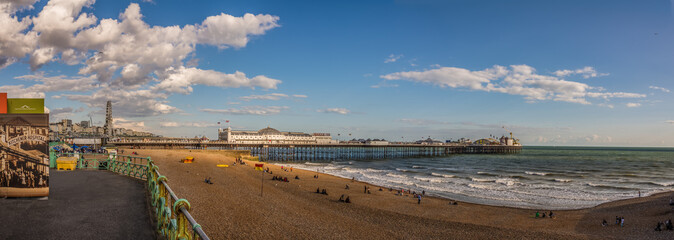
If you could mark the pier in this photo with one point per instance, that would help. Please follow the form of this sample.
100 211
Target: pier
329 152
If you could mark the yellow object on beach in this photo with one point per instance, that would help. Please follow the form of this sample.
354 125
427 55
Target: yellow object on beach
187 160
66 163
222 165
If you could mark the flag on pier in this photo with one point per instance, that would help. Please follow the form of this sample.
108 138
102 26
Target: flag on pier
258 166
227 121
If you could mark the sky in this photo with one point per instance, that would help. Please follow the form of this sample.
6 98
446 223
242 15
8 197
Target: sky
581 73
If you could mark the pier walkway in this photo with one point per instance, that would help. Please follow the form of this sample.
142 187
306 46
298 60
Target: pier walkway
83 204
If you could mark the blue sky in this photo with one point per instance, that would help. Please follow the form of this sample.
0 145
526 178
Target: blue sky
553 72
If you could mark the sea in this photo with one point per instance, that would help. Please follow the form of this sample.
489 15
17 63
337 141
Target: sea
548 178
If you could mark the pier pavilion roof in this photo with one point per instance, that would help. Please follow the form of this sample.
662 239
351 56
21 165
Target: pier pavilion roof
269 131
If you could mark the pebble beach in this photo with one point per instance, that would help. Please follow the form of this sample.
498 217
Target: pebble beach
243 203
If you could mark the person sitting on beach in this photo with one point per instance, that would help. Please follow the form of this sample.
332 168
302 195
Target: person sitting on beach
604 223
668 225
285 179
537 214
658 227
347 186
273 178
347 200
341 199
368 191
380 189
550 214
297 177
543 216
318 190
324 192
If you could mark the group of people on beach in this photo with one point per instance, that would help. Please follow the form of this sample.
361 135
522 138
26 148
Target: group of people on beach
543 215
279 178
618 220
668 226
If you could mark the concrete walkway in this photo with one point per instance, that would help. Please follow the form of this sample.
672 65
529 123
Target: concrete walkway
83 204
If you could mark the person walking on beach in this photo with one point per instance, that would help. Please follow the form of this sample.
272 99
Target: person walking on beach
419 197
622 221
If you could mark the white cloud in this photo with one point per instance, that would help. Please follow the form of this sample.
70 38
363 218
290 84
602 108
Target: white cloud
342 111
383 84
180 80
129 124
126 60
586 72
517 80
249 110
659 88
188 124
271 96
134 103
48 84
392 58
633 105
670 121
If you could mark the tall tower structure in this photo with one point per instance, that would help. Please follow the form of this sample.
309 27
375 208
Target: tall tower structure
108 128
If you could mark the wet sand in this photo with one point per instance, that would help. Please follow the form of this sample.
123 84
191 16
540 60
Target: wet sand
233 208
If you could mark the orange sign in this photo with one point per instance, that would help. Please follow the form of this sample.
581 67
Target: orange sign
3 103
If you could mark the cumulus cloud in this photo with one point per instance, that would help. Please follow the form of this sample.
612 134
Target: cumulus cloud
188 124
392 58
633 105
133 103
43 84
342 111
517 80
133 63
586 72
180 80
129 124
249 110
659 88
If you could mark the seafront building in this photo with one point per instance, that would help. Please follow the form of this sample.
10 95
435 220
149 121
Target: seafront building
272 136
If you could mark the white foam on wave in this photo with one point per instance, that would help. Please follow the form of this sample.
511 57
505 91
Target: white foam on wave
562 180
429 179
396 175
374 170
536 173
314 164
415 166
664 184
443 175
483 186
482 180
506 181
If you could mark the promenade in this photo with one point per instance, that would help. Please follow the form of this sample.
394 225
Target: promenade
83 204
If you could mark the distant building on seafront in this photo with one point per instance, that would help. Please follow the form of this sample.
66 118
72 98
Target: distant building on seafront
273 136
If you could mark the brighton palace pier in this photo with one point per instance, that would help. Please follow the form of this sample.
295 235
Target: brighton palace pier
273 145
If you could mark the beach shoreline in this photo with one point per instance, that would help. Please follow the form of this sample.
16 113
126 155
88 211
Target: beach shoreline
294 208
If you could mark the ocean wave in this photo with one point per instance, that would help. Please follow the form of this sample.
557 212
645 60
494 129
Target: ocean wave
609 186
536 173
482 180
427 179
443 175
483 186
562 180
519 177
664 184
487 173
415 166
374 170
506 181
314 164
396 175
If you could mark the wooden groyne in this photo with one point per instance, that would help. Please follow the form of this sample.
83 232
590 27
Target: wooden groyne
328 152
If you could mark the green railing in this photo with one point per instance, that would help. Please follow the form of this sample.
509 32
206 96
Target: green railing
174 220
